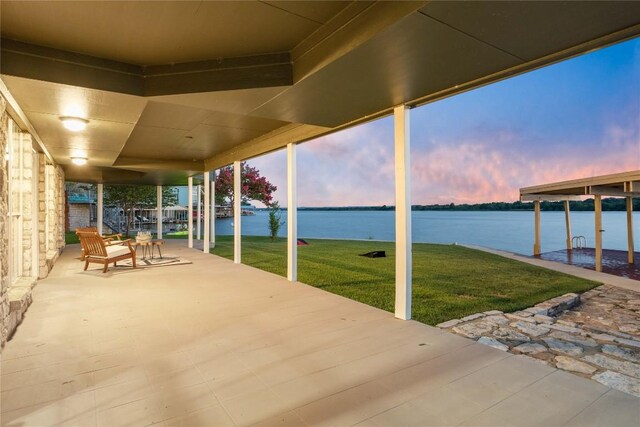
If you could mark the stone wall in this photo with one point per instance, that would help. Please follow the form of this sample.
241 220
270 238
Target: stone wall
51 220
4 240
79 215
43 269
26 188
44 213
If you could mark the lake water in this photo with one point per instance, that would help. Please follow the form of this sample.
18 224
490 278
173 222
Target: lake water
510 231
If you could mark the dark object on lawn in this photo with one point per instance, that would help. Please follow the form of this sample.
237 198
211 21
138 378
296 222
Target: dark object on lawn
302 242
375 254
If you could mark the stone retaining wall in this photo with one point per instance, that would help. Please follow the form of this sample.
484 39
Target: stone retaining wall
596 335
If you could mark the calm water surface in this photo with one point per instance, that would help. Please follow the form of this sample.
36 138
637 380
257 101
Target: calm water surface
510 231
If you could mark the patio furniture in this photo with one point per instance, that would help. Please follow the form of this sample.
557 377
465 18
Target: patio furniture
109 239
148 247
97 250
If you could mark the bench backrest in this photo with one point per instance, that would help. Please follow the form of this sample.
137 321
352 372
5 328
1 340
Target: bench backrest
92 243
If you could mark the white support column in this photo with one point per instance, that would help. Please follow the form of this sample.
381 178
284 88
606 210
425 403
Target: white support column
403 212
292 214
100 208
207 213
159 211
190 213
212 208
237 212
597 201
630 230
199 212
536 218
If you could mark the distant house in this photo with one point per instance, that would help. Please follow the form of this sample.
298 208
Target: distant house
81 208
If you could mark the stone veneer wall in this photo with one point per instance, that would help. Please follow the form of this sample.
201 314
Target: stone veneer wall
51 214
25 185
4 240
16 297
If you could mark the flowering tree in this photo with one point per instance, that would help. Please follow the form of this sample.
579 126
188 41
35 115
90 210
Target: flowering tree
254 186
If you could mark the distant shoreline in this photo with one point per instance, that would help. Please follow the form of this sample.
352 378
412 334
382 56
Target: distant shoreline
608 204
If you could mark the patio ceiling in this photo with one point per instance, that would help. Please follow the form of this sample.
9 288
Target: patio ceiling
175 88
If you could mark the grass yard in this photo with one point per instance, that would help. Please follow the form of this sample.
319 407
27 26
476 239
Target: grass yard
448 281
71 237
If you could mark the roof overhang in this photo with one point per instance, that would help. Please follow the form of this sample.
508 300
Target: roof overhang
171 89
625 184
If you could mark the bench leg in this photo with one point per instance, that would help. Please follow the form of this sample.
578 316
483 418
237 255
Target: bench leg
133 258
106 265
159 251
86 263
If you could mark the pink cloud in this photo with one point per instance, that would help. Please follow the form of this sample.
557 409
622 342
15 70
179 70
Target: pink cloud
356 166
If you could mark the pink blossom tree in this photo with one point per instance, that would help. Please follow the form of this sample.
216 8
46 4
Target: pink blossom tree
254 186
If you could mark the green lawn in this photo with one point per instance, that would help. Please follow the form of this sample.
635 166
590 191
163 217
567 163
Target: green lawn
71 238
448 281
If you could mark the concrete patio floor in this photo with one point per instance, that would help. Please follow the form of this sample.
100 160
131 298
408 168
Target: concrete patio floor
213 343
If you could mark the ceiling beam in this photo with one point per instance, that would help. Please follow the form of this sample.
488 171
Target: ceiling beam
547 197
58 66
612 192
154 165
271 141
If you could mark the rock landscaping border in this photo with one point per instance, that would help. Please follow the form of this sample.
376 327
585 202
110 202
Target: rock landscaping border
595 335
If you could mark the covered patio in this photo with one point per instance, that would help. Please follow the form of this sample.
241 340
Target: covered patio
165 94
245 347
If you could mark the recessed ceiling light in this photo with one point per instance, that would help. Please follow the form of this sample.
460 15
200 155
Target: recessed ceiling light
74 124
80 161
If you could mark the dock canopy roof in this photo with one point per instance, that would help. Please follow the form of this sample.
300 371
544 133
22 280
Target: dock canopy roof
624 184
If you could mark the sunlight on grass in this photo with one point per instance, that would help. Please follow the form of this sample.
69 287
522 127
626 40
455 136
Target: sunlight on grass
448 281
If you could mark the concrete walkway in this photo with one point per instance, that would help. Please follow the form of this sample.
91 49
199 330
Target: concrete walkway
213 343
604 278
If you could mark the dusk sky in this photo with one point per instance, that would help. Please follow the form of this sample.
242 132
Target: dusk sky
574 119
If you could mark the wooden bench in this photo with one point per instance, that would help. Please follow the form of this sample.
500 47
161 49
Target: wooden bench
109 239
98 251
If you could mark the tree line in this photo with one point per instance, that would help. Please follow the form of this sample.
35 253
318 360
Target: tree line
608 204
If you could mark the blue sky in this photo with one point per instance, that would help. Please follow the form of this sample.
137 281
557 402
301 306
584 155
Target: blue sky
577 118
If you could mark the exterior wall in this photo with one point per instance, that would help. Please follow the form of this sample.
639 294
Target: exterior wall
47 215
26 188
51 219
79 215
43 269
4 240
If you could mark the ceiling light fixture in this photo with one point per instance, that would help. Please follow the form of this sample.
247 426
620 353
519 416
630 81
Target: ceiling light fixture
80 161
74 124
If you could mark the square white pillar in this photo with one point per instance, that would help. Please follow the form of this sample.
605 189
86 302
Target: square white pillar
100 208
292 214
403 212
237 212
159 211
190 213
207 213
199 211
212 208
630 250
